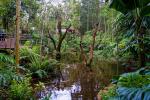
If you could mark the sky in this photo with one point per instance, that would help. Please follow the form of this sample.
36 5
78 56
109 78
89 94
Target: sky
55 2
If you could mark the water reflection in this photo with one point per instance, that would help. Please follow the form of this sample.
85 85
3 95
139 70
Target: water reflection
74 92
61 93
65 94
80 84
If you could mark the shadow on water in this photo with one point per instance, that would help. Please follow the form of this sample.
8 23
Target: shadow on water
81 83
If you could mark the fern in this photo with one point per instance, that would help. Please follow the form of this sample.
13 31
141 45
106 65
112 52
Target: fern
6 59
21 90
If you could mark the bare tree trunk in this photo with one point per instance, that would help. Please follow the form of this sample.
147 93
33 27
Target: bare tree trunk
42 29
83 56
105 24
61 38
92 46
117 43
140 34
84 59
41 41
57 46
87 27
141 47
17 32
53 41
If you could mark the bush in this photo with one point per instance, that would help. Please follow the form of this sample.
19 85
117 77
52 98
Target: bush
134 86
35 62
21 90
39 74
8 74
133 80
108 93
129 86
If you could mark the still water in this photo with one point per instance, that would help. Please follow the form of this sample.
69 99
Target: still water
64 91
73 92
79 84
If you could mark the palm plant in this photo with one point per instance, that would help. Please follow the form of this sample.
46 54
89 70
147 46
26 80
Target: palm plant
136 12
135 86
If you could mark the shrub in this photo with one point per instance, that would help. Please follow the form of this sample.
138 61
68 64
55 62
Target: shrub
8 74
21 90
130 86
35 61
108 93
134 86
133 80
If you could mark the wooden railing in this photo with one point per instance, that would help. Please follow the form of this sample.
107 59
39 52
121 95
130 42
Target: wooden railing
8 42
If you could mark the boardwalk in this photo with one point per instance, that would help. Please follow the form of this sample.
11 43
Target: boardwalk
7 43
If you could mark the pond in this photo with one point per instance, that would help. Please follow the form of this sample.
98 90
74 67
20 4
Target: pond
63 93
73 92
79 83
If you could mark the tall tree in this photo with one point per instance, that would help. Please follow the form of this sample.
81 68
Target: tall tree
72 10
62 36
89 14
17 31
7 13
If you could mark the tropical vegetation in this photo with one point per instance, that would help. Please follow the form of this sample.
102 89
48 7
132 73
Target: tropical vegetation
103 45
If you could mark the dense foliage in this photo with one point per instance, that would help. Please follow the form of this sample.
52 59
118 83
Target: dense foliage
81 40
129 86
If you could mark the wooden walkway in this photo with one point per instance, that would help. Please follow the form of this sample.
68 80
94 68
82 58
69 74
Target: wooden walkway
7 43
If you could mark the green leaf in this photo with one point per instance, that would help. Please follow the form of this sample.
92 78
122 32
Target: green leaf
41 73
118 5
147 96
130 96
125 6
143 2
145 11
138 95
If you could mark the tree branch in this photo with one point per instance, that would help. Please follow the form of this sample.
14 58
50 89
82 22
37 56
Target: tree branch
53 41
62 38
83 56
59 27
93 45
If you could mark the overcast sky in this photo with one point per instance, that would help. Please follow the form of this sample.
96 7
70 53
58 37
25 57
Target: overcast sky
55 2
